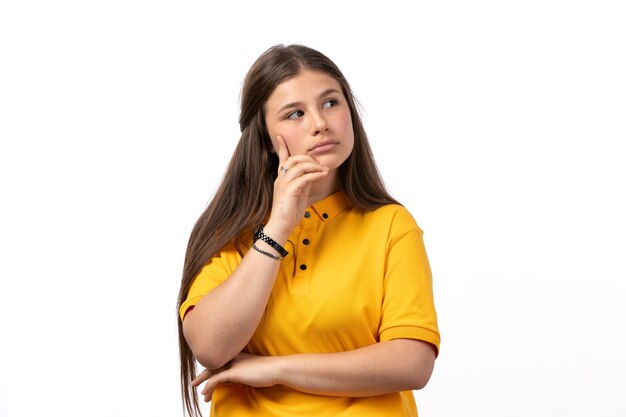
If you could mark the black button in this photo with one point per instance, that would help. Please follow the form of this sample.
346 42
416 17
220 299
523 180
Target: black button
303 267
307 214
325 215
306 241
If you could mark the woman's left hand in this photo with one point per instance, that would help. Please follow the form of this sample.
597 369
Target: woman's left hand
247 369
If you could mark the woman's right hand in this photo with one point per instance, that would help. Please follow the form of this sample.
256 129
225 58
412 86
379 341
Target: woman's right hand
291 191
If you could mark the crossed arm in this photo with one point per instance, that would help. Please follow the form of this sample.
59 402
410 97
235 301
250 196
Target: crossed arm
382 368
221 324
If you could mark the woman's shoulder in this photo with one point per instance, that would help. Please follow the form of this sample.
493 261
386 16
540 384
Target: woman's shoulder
395 216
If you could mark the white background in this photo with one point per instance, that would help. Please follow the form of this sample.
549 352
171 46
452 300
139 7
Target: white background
500 125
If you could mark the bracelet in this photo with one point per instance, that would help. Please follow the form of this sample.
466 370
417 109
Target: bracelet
276 258
265 238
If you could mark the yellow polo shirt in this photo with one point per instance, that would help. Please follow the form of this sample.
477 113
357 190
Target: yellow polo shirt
352 278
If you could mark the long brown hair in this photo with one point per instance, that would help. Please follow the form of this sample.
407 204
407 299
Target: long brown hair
244 198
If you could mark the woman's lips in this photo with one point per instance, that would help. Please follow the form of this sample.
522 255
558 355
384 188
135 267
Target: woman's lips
324 146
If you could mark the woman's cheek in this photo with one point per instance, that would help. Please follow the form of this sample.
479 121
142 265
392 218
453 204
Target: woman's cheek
292 141
346 122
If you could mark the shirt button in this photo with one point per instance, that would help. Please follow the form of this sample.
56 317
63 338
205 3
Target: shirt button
307 214
325 215
306 241
303 267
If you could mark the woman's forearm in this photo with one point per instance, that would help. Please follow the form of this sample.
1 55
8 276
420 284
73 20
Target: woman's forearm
386 367
392 366
225 319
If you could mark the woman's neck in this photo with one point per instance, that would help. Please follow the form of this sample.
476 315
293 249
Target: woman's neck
324 187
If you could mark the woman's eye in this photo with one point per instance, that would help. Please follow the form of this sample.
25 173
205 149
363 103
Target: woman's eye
329 103
295 114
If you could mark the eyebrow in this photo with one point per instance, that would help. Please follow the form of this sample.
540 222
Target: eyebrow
299 103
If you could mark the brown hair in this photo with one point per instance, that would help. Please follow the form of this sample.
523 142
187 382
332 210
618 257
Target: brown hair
244 198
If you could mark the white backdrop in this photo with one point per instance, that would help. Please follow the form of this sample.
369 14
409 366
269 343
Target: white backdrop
500 125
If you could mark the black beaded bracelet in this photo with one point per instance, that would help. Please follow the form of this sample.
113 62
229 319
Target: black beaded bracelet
259 235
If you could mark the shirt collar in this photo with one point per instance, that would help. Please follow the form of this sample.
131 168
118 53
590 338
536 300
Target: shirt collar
327 208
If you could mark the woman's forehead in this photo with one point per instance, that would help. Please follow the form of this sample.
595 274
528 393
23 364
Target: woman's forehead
307 85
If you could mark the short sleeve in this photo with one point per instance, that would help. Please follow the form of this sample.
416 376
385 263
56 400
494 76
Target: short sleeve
216 271
408 310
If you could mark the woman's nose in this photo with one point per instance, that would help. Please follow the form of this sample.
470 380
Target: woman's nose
318 124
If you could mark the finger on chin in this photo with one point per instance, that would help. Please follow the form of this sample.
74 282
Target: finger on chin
283 148
204 375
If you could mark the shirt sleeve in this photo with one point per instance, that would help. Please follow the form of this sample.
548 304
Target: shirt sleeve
408 310
216 271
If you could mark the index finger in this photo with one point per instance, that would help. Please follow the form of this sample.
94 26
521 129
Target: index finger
282 151
201 378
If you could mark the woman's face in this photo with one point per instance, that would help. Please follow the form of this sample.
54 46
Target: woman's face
311 113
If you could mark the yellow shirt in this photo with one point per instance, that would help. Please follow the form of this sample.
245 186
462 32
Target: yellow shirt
352 278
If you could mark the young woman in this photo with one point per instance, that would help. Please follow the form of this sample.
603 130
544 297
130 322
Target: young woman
306 288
